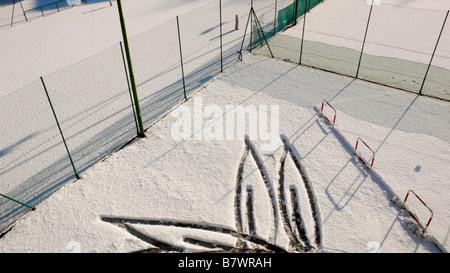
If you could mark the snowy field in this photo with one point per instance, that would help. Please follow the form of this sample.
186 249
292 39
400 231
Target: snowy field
196 184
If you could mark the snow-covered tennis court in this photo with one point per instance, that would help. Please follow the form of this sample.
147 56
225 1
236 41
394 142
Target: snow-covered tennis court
190 186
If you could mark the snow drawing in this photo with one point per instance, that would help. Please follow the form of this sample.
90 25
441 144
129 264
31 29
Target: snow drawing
286 204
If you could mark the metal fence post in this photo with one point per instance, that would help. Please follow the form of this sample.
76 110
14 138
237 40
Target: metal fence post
275 19
221 43
18 202
59 127
303 32
258 25
364 41
245 33
141 132
295 12
181 58
128 85
12 16
434 51
24 15
251 27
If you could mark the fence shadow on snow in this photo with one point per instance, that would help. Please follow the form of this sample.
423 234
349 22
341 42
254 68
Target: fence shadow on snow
88 112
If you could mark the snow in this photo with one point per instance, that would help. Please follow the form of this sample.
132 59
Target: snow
392 28
165 189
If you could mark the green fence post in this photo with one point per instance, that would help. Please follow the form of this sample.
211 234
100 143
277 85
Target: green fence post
434 52
23 204
128 85
59 127
181 58
303 32
141 132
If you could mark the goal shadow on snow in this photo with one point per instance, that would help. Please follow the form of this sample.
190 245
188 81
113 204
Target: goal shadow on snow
348 189
339 199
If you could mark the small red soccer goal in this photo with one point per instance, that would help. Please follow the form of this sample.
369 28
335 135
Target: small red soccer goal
328 112
366 154
417 212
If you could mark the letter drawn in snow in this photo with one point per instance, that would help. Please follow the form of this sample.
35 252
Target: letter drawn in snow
285 207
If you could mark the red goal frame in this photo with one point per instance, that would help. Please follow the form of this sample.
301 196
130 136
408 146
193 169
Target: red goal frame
413 215
362 158
324 102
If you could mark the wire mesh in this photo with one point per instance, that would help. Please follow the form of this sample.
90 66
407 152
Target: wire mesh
33 162
15 12
386 44
156 62
201 44
276 22
399 45
93 105
234 18
437 82
6 12
332 41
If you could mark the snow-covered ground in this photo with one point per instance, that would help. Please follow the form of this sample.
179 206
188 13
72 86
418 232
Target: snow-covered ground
189 186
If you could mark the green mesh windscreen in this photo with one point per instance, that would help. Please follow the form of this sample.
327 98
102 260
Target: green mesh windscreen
399 45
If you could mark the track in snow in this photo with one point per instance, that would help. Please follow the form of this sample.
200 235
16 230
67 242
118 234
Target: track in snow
284 204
